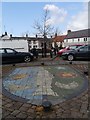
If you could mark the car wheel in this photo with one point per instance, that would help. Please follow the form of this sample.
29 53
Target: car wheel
70 57
27 59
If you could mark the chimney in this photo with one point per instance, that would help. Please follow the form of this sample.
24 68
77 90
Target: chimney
36 35
68 31
26 35
55 34
10 35
5 33
2 35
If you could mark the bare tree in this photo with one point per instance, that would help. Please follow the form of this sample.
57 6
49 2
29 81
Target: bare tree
43 27
57 31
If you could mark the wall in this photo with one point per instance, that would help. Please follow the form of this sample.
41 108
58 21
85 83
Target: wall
19 45
32 44
75 41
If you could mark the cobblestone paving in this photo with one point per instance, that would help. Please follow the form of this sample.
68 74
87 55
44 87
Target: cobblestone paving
77 107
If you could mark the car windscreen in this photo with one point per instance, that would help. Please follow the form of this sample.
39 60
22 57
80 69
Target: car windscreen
73 47
83 48
2 51
10 50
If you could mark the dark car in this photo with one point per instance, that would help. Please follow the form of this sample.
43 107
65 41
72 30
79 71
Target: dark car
70 47
82 52
9 55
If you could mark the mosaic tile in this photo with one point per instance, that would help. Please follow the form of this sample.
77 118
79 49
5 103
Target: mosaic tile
33 84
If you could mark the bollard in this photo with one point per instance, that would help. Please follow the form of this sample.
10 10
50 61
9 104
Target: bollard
86 72
46 105
13 64
70 62
42 63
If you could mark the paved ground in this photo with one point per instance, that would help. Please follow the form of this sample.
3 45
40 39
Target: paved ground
77 107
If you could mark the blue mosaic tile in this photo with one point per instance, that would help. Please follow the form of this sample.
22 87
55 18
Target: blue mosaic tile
30 97
34 84
19 93
38 97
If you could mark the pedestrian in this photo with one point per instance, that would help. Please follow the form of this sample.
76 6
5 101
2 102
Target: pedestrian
54 50
35 52
51 54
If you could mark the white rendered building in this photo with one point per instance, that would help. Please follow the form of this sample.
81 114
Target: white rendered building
77 37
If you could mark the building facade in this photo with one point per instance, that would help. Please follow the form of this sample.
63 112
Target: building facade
58 40
18 43
23 44
77 37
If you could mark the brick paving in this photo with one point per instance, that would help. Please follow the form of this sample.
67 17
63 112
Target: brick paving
78 107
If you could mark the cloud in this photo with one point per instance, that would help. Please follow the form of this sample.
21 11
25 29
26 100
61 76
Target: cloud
58 15
80 20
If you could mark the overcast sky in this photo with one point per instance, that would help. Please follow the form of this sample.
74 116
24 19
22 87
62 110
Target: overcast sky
18 17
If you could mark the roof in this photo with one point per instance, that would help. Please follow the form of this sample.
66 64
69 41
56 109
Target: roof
39 39
59 38
78 34
26 38
5 37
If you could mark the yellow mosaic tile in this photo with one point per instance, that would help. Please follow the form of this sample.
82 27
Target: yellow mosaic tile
19 76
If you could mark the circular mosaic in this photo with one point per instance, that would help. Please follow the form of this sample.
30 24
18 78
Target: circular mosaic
67 74
18 76
35 84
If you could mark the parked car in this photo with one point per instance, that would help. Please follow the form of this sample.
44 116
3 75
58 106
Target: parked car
70 47
82 52
9 55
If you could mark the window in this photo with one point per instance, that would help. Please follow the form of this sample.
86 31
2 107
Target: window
84 39
34 46
30 42
73 47
34 42
89 48
2 51
85 48
10 51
